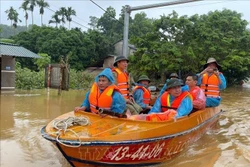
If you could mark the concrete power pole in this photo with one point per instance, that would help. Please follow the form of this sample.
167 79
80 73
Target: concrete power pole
129 9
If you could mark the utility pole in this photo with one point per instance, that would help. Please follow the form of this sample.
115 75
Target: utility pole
129 9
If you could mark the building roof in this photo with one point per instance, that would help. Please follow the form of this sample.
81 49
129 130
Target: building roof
7 49
129 45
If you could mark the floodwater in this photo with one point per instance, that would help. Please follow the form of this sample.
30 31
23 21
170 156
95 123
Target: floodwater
24 113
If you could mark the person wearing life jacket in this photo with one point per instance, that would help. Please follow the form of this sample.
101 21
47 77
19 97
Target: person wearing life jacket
122 77
173 101
212 81
199 98
172 75
104 95
141 94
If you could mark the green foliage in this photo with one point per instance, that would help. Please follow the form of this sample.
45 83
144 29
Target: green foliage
86 48
7 40
80 80
43 61
185 43
27 79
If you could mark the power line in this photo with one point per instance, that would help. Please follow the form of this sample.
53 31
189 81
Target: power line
74 16
106 12
71 21
98 5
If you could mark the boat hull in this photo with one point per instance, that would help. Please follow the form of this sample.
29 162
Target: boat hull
144 151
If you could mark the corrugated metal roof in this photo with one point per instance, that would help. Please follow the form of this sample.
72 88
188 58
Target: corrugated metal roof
7 49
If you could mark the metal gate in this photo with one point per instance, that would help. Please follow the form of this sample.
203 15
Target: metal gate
57 76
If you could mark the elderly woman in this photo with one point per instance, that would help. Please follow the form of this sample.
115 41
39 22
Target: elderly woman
103 95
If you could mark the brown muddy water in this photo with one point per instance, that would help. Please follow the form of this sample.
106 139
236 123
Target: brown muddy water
24 113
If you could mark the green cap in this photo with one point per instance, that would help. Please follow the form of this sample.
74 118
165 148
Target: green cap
143 78
174 82
119 58
173 75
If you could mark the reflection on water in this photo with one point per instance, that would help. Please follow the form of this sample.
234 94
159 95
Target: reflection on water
24 113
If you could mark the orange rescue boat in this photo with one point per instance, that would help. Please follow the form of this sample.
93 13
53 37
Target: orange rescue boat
119 141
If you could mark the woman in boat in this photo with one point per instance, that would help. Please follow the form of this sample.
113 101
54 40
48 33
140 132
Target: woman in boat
212 81
141 94
103 96
172 103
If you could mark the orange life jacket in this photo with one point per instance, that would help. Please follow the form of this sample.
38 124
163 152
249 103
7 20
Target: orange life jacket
101 100
165 101
122 82
146 94
210 85
163 116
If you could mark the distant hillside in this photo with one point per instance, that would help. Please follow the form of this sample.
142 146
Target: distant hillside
7 31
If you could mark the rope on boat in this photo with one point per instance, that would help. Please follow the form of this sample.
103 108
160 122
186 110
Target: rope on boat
63 125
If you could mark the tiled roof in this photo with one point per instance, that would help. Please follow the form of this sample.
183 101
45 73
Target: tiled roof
7 49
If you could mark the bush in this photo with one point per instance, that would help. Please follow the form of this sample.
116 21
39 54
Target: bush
27 79
80 80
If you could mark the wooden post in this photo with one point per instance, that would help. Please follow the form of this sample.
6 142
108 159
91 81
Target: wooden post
49 76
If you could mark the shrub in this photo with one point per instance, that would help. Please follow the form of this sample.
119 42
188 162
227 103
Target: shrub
27 79
80 80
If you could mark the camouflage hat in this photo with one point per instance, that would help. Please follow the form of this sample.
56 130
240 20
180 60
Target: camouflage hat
119 58
173 75
212 60
143 78
174 82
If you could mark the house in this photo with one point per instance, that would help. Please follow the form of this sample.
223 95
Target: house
118 48
8 53
109 59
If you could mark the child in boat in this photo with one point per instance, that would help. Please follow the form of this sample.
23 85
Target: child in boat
103 95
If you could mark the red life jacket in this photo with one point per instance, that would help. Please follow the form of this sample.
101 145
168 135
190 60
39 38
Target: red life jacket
194 92
146 94
165 101
101 100
122 82
210 85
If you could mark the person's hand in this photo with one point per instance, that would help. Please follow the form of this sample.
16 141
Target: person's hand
205 70
149 107
128 101
217 73
77 109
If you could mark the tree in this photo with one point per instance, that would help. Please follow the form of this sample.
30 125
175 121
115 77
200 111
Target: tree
11 14
55 19
108 25
70 12
16 20
185 43
32 4
24 6
42 4
93 22
43 61
62 13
